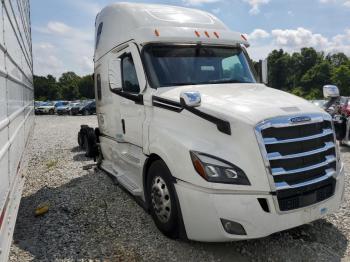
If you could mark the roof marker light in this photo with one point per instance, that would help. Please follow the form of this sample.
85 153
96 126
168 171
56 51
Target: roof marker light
197 33
244 37
216 34
156 32
207 34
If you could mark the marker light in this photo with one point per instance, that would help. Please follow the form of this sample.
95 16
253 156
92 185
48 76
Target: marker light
156 32
197 33
207 34
244 38
216 34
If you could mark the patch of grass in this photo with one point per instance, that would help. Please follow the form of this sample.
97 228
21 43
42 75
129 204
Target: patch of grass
51 164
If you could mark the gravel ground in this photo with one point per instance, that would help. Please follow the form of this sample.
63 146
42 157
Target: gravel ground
92 219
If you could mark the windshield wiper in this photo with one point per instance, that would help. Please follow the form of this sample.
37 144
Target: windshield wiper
218 81
224 81
180 84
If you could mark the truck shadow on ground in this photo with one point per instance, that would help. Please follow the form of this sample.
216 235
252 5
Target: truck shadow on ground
92 218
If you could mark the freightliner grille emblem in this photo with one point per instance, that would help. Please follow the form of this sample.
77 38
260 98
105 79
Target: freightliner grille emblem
300 119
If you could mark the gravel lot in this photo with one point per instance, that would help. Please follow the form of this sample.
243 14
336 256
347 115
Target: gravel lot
90 218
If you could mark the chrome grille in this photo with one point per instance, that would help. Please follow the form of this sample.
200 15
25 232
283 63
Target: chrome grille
299 155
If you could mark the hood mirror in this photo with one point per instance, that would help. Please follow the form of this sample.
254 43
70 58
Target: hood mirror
264 72
190 98
261 69
114 74
330 91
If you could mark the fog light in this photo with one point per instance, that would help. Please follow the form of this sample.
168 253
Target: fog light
233 228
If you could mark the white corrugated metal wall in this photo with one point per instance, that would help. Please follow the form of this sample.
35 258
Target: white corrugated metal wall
16 107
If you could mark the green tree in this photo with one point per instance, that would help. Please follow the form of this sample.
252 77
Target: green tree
69 85
341 78
279 64
337 59
46 88
309 58
86 87
317 76
304 73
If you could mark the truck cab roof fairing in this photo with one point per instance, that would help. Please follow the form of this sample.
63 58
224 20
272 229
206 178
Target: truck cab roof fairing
173 24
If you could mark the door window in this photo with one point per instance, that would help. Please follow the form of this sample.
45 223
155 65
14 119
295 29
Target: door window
130 82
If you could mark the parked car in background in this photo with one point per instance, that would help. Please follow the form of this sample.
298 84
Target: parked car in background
37 104
87 108
45 108
64 109
60 104
345 106
74 110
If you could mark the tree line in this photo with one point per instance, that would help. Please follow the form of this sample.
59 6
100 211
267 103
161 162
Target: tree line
69 86
302 73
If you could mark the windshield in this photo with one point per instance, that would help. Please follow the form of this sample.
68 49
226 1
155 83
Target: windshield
193 65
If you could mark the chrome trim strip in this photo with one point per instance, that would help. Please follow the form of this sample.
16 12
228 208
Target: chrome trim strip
278 156
281 171
272 141
285 121
285 185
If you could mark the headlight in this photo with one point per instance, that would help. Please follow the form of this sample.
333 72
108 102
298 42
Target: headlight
216 170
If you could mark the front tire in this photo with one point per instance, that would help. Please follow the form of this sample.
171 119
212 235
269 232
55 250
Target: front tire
81 140
162 199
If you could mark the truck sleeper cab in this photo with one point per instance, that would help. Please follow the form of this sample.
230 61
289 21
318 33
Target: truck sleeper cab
185 127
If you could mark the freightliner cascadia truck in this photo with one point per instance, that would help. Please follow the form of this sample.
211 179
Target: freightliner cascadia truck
187 126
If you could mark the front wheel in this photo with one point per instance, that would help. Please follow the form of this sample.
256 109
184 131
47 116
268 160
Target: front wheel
162 199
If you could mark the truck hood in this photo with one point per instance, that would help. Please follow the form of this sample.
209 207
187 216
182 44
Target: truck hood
251 103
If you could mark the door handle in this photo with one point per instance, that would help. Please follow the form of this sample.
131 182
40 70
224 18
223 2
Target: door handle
123 125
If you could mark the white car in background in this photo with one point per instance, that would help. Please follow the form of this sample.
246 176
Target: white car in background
46 108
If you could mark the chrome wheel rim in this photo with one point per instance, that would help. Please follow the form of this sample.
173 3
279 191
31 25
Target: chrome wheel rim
161 201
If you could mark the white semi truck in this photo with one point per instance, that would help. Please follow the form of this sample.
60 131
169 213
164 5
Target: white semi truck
187 129
16 111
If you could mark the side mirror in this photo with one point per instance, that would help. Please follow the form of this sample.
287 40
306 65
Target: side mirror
190 98
330 91
264 72
114 74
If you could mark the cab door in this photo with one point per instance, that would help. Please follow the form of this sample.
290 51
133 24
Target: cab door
132 111
129 155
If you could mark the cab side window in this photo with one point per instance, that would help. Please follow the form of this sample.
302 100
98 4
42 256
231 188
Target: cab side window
130 82
98 84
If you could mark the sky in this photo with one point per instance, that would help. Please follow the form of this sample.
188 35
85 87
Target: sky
63 30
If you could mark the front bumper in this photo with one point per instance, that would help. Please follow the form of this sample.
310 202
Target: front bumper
202 210
62 111
75 111
41 111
